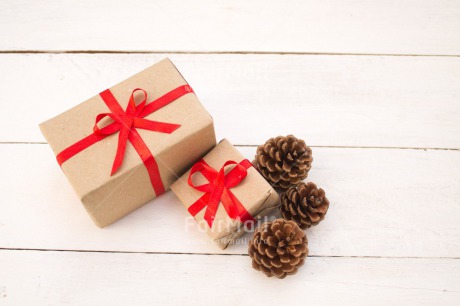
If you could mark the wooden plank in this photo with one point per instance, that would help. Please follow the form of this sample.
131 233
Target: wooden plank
335 26
327 100
383 203
76 278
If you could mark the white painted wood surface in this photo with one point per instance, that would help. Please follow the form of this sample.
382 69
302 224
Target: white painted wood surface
384 130
380 200
317 26
326 100
157 279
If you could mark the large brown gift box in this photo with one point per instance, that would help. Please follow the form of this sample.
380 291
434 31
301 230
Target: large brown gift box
253 192
108 197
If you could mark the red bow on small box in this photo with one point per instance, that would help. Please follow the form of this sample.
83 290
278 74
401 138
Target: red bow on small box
126 123
218 190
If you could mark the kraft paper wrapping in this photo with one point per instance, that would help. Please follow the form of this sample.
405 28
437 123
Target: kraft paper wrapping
254 192
108 198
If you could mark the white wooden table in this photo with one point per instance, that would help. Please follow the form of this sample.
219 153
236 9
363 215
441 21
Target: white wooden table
372 86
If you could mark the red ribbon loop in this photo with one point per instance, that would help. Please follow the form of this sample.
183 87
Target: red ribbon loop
218 190
126 122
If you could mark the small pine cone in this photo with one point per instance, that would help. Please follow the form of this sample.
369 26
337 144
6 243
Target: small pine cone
305 204
284 161
278 248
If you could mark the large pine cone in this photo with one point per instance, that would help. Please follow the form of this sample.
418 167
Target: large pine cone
278 248
284 161
305 204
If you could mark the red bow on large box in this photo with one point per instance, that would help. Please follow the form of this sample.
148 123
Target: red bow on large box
126 122
218 190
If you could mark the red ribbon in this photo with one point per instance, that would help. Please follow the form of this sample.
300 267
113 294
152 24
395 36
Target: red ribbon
218 190
126 123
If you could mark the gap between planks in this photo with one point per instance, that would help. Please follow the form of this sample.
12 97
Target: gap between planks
217 254
217 52
253 146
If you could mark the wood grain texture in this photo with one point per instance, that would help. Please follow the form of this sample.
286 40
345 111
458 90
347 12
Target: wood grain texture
75 278
402 203
326 100
335 26
341 74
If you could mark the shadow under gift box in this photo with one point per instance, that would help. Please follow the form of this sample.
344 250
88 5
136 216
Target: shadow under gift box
107 197
253 192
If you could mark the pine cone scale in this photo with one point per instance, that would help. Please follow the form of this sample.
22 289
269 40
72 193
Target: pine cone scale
276 263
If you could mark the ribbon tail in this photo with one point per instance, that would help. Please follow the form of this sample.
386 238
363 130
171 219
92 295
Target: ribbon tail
215 198
199 204
234 208
149 161
211 211
121 148
155 126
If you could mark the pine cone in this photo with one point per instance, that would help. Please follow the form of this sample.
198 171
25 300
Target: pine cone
305 204
278 248
284 161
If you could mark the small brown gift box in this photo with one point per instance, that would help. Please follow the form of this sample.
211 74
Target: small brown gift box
171 147
253 192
